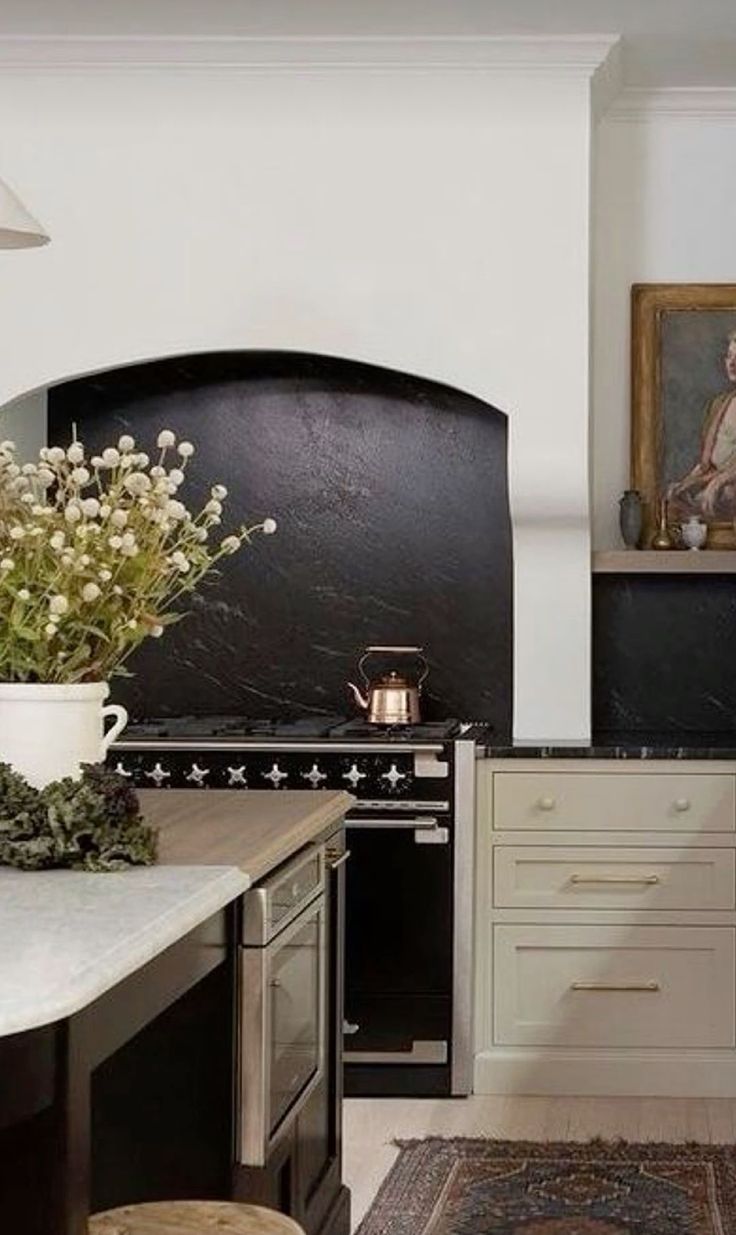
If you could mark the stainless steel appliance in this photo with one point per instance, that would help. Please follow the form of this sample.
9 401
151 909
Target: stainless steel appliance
408 1005
283 980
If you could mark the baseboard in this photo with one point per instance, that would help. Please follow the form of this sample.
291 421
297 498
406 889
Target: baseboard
579 1073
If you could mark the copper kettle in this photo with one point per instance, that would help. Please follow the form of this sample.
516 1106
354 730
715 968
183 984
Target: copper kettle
392 698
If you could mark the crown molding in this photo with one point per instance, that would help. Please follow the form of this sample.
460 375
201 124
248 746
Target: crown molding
574 55
675 103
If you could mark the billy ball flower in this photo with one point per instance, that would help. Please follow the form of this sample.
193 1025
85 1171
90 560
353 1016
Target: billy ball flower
75 453
137 483
7 564
166 439
185 450
230 544
268 527
90 592
59 604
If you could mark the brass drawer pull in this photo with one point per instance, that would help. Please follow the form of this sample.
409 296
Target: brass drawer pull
648 880
649 987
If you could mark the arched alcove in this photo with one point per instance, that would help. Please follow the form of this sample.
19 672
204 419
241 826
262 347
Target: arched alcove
391 497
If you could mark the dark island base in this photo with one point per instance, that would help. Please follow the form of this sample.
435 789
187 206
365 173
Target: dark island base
130 1100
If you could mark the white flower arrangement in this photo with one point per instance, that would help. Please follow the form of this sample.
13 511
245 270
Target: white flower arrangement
95 554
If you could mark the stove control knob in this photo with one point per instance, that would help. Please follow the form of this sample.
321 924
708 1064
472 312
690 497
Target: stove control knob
354 776
314 776
121 770
158 775
198 775
275 776
393 776
236 776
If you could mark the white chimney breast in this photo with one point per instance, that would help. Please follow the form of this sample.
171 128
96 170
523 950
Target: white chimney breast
432 218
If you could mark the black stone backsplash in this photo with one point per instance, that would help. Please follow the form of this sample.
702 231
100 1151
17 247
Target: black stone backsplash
664 655
391 498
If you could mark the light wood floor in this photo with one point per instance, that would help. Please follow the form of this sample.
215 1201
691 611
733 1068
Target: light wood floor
371 1124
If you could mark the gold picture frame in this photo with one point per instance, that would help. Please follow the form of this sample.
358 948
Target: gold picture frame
683 401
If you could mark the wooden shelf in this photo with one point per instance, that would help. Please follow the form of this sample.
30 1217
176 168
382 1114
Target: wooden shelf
664 562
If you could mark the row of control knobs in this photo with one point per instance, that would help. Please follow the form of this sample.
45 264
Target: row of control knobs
197 776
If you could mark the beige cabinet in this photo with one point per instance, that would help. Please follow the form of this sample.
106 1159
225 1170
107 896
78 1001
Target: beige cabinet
580 877
565 801
606 928
614 986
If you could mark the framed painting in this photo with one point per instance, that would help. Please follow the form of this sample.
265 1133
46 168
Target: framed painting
683 427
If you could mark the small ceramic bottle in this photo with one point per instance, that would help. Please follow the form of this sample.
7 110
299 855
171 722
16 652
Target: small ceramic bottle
630 518
662 538
694 532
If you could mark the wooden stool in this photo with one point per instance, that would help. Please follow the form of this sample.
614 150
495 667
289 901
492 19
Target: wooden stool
192 1218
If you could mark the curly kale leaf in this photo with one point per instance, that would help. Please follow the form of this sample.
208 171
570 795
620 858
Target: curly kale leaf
92 824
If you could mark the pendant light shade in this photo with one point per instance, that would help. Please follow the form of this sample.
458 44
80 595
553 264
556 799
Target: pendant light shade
18 228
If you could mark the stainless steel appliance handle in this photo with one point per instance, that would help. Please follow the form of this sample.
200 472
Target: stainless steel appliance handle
340 861
418 823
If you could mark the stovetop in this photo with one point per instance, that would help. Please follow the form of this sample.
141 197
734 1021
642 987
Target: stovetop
299 729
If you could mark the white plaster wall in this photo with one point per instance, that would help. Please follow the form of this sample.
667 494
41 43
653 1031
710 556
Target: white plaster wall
435 222
664 212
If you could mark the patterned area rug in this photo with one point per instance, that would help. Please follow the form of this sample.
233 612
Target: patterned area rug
482 1187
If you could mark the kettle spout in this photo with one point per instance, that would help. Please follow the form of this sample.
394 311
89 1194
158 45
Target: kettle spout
361 700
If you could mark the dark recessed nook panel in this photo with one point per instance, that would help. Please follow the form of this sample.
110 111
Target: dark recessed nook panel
664 654
391 498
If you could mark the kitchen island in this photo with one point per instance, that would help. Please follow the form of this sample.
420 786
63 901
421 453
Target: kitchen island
119 1001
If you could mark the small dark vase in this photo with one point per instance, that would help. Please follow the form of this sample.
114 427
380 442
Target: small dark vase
630 518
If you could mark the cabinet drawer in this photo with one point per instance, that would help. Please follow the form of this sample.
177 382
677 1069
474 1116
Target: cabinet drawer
585 801
635 986
549 877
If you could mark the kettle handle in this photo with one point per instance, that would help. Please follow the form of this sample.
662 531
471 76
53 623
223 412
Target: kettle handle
403 650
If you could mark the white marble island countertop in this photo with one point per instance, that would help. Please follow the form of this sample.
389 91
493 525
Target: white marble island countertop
67 937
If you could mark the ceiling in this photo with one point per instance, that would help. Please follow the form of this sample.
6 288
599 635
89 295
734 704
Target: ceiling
665 42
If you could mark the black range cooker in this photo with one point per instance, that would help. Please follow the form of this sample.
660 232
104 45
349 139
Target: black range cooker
410 875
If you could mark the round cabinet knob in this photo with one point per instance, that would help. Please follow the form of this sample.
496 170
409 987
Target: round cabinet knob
275 776
314 776
236 776
682 804
546 803
198 775
158 775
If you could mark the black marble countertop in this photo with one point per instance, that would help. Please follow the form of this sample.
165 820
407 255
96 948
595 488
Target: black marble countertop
621 745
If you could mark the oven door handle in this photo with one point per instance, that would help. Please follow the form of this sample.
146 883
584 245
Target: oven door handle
426 828
418 823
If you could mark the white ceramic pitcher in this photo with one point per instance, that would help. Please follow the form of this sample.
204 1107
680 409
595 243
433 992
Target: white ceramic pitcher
48 730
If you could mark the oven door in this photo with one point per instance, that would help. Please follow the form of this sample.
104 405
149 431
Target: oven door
283 1030
399 949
